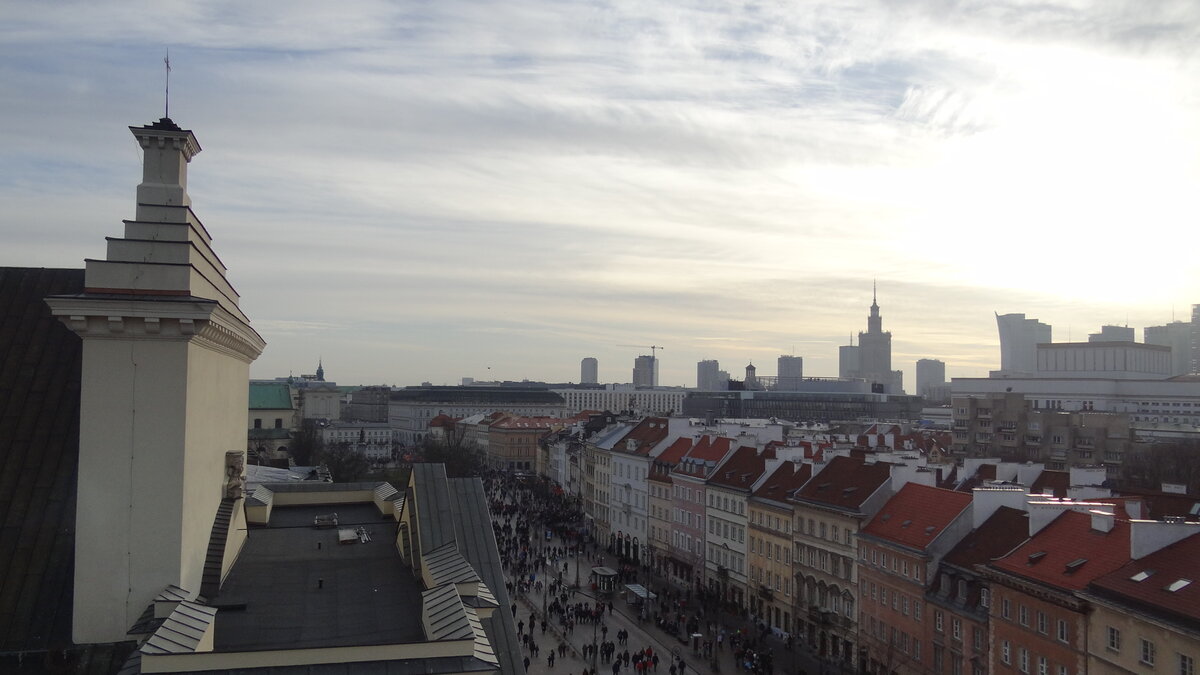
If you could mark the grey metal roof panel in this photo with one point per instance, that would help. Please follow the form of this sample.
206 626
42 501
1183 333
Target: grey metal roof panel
386 492
483 646
182 631
262 496
444 615
447 566
447 665
172 593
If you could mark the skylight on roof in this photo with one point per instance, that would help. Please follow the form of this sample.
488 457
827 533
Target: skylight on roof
1178 585
1035 557
1141 576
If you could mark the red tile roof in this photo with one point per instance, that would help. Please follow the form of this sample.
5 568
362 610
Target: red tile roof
648 433
996 537
743 468
846 482
707 449
787 476
1158 573
675 451
1069 539
917 514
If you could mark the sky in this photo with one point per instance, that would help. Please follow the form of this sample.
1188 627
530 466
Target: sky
425 191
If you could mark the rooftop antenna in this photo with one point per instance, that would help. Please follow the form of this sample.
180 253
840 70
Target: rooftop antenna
167 90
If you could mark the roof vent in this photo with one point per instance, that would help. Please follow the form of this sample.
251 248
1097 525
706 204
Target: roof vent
1034 558
929 529
1178 585
822 486
848 491
1141 576
1074 565
906 523
886 517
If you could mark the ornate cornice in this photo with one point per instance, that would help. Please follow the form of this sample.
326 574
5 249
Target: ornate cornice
203 322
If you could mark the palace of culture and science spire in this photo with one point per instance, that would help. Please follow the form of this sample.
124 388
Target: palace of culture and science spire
871 358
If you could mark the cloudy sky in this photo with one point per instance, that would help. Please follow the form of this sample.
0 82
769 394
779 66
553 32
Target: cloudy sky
429 190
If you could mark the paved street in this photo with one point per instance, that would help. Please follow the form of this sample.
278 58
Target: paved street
786 662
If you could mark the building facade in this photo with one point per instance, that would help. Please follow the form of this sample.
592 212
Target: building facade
1019 338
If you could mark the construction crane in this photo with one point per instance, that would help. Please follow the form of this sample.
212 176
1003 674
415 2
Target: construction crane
652 349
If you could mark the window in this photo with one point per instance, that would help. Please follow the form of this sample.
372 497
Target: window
1043 623
1023 660
1063 631
1187 665
916 610
1005 652
257 422
956 629
1147 655
1114 639
1006 608
1043 666
977 637
937 621
278 422
1023 615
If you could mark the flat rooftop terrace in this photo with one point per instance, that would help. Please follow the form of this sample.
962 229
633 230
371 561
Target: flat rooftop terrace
285 591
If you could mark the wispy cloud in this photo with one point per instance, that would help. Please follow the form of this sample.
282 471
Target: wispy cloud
421 190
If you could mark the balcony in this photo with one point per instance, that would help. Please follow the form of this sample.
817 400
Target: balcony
766 593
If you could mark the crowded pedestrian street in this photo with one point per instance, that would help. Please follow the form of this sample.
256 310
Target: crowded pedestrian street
581 610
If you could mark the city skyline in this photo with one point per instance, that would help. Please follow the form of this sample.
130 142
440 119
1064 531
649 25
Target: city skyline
427 193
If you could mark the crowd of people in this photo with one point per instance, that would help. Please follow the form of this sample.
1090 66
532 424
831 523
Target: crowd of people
538 530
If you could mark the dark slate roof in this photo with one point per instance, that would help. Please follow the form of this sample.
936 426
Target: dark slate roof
1003 531
39 459
433 508
39 462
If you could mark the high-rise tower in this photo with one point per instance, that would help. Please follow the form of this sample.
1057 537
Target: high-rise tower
589 371
871 359
645 371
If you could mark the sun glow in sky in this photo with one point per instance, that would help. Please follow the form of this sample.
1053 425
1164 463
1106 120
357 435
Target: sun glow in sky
426 191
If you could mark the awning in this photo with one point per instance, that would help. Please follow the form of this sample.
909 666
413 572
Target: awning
641 591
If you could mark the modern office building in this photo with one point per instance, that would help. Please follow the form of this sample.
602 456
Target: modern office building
620 397
790 373
1019 338
931 373
708 376
589 371
1178 336
645 371
1112 334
